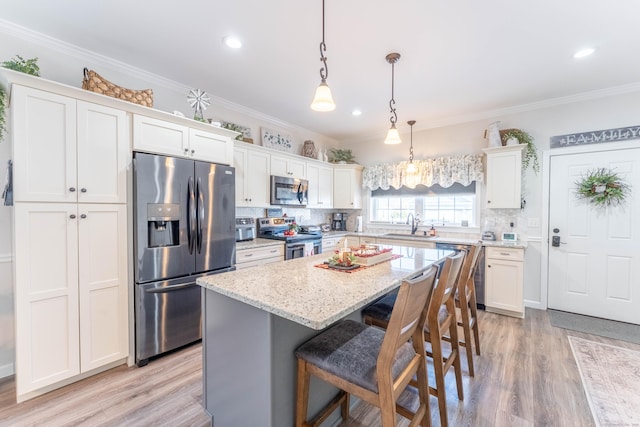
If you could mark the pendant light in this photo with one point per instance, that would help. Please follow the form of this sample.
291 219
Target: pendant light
393 137
323 101
411 167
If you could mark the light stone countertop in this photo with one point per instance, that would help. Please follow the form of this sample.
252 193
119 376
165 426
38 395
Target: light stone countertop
438 239
317 297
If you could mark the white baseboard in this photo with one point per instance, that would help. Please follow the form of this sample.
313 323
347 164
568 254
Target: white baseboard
7 370
534 304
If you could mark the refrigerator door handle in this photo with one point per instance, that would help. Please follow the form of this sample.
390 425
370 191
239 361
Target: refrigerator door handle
200 214
191 216
169 288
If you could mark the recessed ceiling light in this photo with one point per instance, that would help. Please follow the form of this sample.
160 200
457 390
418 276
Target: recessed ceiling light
583 52
356 112
232 42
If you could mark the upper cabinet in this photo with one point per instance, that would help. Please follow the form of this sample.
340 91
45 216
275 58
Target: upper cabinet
320 192
252 176
289 166
504 176
67 150
162 137
347 187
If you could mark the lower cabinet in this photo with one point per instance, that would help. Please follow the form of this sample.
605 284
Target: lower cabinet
70 281
332 243
504 281
251 257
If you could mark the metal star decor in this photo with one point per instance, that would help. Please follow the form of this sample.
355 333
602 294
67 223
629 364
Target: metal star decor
199 100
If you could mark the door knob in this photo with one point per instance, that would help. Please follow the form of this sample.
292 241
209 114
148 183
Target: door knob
83 216
555 242
72 216
556 230
72 189
83 190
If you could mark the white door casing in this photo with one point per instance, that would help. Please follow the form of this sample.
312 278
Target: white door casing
596 269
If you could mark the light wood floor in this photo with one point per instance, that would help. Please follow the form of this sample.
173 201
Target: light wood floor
526 376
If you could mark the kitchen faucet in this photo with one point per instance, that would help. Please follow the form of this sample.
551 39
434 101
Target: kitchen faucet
414 223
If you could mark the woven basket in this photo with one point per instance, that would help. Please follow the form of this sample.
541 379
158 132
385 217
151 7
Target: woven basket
96 83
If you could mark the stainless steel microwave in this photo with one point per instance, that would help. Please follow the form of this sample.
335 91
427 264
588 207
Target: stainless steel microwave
289 191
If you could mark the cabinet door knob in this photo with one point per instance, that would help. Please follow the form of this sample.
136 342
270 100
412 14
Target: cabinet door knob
72 216
72 189
488 201
193 151
83 190
186 151
83 216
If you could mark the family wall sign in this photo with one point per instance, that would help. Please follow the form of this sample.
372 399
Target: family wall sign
596 137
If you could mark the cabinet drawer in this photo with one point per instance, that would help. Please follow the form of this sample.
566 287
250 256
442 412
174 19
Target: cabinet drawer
247 255
513 254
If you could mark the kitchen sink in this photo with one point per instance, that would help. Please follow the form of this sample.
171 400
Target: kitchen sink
407 236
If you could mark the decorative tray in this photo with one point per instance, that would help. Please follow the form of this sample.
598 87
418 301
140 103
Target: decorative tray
371 254
342 267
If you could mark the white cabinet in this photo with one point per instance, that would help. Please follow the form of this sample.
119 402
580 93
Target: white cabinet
504 280
320 179
416 243
288 166
159 136
347 187
252 177
69 238
71 288
331 243
251 257
210 147
66 150
504 176
365 240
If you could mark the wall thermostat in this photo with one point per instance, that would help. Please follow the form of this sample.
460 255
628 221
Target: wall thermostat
510 237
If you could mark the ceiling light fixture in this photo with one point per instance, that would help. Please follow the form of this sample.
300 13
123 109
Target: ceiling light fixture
411 167
323 101
232 42
582 53
356 113
393 137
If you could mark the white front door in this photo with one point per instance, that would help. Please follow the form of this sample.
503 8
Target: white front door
596 268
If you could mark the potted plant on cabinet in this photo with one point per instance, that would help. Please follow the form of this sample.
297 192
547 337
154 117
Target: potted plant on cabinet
530 156
339 155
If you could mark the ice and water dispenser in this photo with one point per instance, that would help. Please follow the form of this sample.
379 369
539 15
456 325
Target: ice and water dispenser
163 225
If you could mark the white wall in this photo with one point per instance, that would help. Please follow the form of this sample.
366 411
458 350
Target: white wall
64 63
579 114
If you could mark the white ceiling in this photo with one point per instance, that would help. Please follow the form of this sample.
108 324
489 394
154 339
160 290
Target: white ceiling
460 59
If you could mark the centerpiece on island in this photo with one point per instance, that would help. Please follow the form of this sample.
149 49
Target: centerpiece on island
371 254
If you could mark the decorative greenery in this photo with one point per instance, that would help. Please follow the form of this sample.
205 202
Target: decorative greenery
530 154
294 227
3 119
27 66
602 187
200 119
340 155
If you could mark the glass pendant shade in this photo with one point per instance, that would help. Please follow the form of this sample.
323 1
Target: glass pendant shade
393 137
323 101
411 167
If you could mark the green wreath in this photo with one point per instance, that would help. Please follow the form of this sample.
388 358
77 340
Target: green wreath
602 187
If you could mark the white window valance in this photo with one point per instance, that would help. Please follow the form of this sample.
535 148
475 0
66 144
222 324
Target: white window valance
444 171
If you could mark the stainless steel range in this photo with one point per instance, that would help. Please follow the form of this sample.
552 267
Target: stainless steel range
306 241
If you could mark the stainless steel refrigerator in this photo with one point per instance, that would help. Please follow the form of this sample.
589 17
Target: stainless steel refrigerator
184 228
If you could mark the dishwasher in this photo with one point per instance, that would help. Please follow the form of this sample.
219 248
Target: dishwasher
478 277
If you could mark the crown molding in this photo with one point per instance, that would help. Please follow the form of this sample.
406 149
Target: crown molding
106 62
500 112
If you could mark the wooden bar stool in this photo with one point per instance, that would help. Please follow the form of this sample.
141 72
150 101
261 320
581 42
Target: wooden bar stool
440 323
375 365
466 303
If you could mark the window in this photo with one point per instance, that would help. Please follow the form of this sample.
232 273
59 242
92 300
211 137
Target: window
433 205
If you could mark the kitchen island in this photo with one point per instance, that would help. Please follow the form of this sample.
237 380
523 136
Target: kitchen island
255 318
